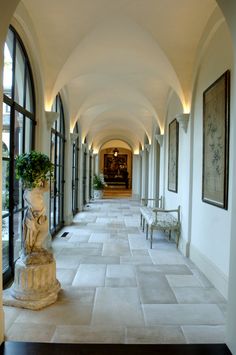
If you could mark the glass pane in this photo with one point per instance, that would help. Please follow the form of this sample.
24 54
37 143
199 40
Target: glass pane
8 64
58 179
5 242
19 76
58 157
5 186
18 134
57 211
52 213
28 135
6 131
17 229
53 148
29 95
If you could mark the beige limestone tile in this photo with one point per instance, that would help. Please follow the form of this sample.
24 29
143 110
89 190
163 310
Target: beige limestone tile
90 275
204 334
135 260
60 313
10 315
198 295
77 294
82 251
99 237
138 242
30 332
120 282
183 281
182 314
67 261
116 248
117 307
66 276
89 334
155 335
117 271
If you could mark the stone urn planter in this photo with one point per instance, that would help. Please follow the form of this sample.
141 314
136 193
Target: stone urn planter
98 186
35 285
97 194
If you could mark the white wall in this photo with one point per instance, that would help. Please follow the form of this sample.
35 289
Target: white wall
172 199
210 232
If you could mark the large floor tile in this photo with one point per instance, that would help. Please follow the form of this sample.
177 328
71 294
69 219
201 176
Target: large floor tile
89 334
183 314
117 307
155 335
32 333
162 295
183 281
116 248
198 295
204 334
120 271
90 275
135 260
60 313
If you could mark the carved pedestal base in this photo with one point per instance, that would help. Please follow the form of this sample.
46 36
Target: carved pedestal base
35 286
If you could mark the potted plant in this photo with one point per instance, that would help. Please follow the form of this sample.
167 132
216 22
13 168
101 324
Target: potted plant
34 169
98 186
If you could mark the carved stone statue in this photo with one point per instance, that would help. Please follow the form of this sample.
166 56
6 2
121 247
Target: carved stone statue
35 228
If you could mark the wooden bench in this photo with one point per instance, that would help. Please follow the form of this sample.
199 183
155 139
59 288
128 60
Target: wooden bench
146 211
160 219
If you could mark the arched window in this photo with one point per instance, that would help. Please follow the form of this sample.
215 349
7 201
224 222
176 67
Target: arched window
57 158
75 170
17 137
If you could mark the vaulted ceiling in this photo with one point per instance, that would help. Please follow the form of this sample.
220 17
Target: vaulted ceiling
118 60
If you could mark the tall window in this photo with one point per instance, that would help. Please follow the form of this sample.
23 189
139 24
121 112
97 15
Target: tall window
57 158
75 171
17 137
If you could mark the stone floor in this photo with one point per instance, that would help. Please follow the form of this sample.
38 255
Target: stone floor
116 290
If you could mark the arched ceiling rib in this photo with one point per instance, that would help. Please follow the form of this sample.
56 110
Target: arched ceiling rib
118 60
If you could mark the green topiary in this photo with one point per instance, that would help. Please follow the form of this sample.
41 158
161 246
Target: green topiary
34 169
98 182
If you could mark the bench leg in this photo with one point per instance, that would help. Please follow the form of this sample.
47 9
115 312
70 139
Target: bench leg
170 234
143 224
147 231
141 220
151 235
177 238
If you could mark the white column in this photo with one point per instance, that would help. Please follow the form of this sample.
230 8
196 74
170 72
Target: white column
136 178
80 200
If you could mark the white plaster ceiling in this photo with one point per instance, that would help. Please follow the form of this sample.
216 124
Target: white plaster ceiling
118 60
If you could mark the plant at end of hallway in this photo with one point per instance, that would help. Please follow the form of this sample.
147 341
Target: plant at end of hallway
98 182
34 169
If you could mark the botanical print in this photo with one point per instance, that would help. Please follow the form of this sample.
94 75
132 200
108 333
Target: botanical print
173 156
214 144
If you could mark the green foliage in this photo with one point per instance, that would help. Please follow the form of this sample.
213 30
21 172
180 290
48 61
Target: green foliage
98 182
34 169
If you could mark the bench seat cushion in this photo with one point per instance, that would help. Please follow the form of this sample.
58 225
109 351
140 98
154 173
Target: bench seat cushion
163 221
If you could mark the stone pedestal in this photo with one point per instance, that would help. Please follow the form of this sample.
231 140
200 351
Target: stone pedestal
35 285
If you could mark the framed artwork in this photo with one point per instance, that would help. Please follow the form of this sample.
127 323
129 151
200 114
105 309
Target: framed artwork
115 165
216 142
173 156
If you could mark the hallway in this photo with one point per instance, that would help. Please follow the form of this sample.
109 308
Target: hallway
116 290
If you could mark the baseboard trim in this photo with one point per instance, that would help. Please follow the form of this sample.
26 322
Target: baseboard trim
210 270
